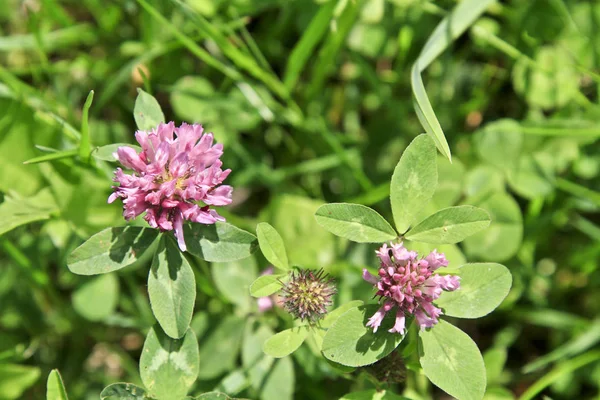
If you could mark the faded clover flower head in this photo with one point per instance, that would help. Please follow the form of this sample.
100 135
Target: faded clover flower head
409 285
177 176
307 294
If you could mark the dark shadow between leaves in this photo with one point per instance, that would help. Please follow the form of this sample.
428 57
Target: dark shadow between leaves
130 242
168 251
382 341
168 344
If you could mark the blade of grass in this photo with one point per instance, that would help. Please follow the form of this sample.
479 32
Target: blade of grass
53 156
560 370
333 44
586 226
451 27
234 54
85 148
307 43
198 51
578 190
58 39
119 79
572 348
567 132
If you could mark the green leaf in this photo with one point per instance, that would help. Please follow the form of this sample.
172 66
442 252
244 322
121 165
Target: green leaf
265 285
279 384
451 27
97 298
213 396
414 181
218 355
350 342
452 361
123 391
220 242
271 245
147 111
16 211
16 379
111 250
450 225
500 143
318 247
169 367
285 342
332 316
105 153
355 222
503 238
483 286
532 177
55 388
254 361
233 279
373 394
172 289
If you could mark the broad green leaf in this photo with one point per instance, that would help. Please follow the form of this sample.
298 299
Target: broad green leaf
350 342
55 388
355 222
16 379
265 285
280 383
483 286
213 396
318 333
332 316
172 289
105 153
254 360
218 355
452 361
318 246
234 382
414 181
147 111
97 298
16 211
169 367
500 143
233 279
110 250
450 225
451 27
123 391
373 394
532 176
220 242
503 238
285 342
452 252
271 245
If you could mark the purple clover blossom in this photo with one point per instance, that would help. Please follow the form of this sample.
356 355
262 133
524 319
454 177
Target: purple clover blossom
409 285
177 168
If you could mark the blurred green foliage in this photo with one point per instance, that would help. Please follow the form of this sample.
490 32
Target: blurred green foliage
313 102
